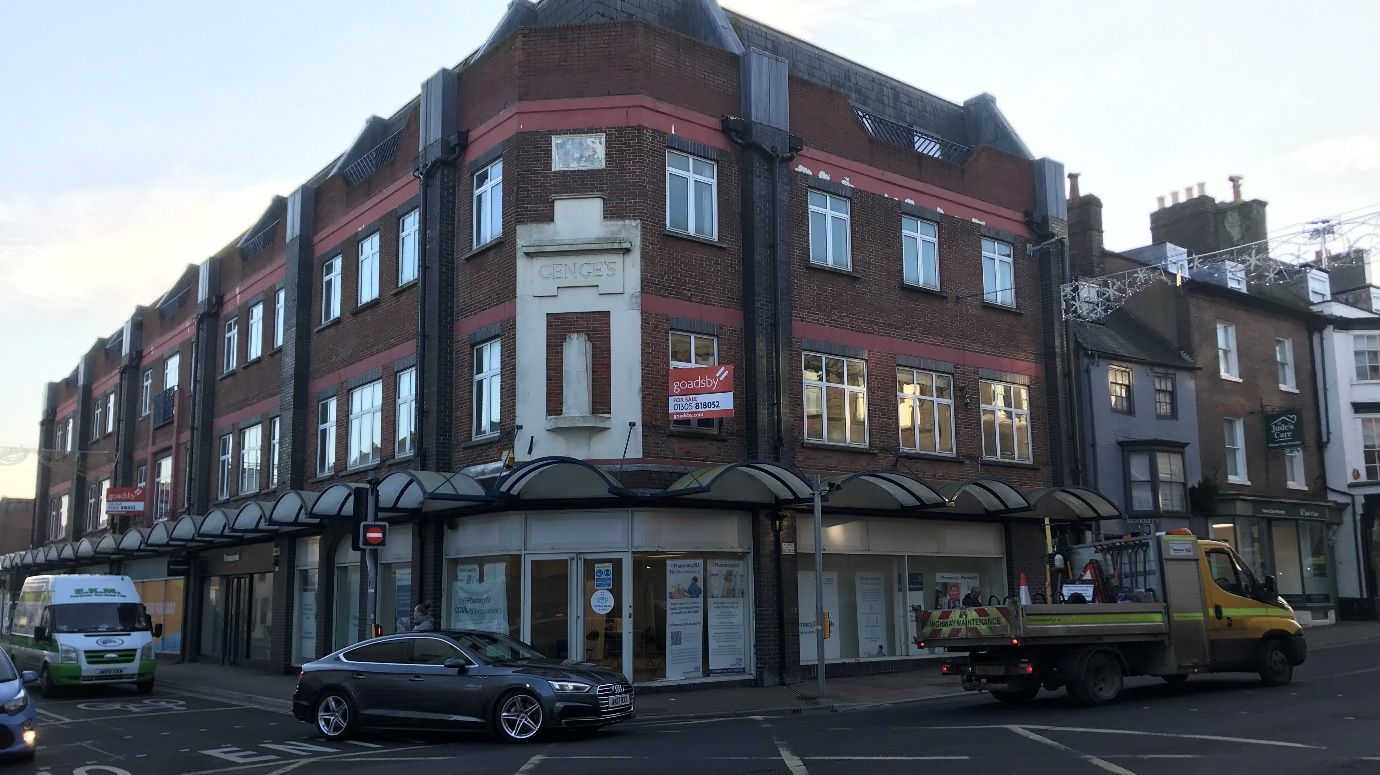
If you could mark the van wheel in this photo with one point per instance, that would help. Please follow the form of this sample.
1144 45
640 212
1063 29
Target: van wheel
144 687
1273 664
1101 681
46 687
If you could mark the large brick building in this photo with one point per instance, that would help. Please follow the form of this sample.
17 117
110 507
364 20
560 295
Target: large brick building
477 306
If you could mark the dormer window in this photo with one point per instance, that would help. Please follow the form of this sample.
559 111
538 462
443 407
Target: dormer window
1319 287
1236 276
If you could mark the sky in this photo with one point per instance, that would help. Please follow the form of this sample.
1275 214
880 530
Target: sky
136 138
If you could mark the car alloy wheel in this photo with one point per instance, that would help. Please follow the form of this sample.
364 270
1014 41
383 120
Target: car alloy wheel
519 717
333 716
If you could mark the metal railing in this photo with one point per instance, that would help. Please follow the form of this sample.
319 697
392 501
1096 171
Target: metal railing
370 162
164 407
896 133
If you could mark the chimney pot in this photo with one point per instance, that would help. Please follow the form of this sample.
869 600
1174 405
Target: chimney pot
1159 202
1073 186
1202 188
1188 193
1173 197
1235 187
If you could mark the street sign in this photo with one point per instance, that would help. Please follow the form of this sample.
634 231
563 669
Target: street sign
127 501
372 535
700 392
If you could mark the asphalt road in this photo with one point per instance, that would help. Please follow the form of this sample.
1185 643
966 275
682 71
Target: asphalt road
1328 720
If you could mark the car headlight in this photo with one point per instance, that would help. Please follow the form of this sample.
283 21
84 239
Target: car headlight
67 654
569 687
18 703
146 653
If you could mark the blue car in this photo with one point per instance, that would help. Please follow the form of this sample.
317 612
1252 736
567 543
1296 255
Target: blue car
18 721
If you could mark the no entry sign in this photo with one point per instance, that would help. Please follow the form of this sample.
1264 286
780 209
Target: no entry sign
701 392
373 535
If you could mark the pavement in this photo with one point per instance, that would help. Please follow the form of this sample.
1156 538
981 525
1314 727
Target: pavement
1327 720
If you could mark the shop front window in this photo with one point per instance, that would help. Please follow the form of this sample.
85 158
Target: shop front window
345 611
213 617
484 593
1288 573
1313 543
261 617
395 597
691 615
305 600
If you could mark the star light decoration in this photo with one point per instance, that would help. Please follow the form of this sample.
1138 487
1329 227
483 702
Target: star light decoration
1326 243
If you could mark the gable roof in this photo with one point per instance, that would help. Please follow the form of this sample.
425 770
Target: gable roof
1120 336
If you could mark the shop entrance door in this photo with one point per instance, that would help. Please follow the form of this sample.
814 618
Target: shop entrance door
237 620
580 607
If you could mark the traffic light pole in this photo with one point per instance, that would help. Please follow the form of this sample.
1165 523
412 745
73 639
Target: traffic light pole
371 562
819 591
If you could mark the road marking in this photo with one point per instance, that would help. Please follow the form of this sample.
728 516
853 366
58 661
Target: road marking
287 769
143 715
1342 675
793 762
888 758
51 717
361 743
306 760
1101 764
1142 733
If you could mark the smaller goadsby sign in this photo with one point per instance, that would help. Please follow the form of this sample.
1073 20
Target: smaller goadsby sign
701 392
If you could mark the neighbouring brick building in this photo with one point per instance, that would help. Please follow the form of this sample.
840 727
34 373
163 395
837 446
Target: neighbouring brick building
477 307
1259 440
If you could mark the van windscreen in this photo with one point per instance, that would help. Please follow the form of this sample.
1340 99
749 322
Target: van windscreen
99 617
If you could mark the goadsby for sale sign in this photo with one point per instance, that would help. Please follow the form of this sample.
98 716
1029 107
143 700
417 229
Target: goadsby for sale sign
701 392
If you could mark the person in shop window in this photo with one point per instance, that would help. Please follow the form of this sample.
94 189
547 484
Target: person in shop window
973 599
422 620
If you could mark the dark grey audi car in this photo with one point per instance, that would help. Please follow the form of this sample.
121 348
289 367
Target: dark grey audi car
456 680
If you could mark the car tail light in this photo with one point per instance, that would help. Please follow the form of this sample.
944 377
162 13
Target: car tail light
1029 669
946 669
1015 641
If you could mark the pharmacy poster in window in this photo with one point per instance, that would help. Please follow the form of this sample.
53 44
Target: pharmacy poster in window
684 619
869 588
727 617
957 590
477 604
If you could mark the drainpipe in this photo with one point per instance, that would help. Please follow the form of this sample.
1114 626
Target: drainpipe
1360 547
421 171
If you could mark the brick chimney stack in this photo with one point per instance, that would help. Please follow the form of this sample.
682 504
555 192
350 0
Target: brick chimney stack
1235 187
1085 231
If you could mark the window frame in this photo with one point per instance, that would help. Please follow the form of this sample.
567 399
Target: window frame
1294 464
146 393
1370 455
330 289
830 215
1156 481
275 431
996 409
365 420
823 385
1228 355
491 378
368 268
915 399
110 413
1173 393
409 255
225 465
97 418
1372 363
158 483
231 343
1236 454
175 362
707 425
920 239
1286 365
691 179
326 419
279 315
254 344
1236 275
482 202
996 259
405 406
1129 400
251 459
1322 294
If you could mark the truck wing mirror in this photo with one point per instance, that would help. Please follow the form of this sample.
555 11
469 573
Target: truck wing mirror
41 633
158 630
1271 587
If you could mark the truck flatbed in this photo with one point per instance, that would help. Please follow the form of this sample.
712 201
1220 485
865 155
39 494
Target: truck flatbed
1035 625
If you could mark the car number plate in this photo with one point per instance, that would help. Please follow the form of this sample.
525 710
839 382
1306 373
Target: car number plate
989 669
620 700
110 671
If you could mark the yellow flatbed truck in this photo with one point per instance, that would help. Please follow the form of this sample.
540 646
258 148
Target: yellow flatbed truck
1189 606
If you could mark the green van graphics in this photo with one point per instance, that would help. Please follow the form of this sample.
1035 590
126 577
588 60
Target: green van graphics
83 629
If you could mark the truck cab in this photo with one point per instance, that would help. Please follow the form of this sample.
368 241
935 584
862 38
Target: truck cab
1242 612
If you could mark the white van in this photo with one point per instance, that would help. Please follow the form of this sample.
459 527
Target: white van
79 630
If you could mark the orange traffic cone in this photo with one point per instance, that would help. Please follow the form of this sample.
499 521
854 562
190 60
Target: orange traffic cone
1025 590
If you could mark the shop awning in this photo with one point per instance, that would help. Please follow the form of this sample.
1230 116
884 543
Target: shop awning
558 481
252 519
410 492
335 502
984 497
133 541
187 531
293 508
67 551
744 484
883 493
215 526
1072 504
86 549
160 536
